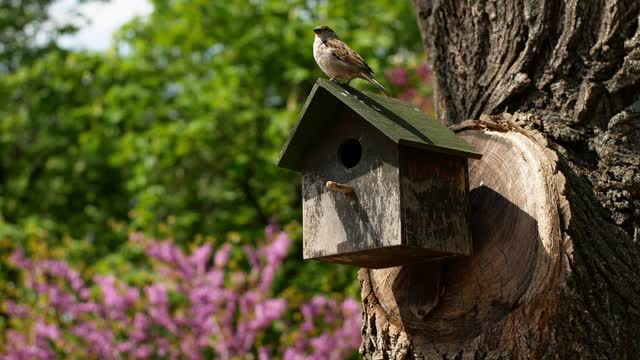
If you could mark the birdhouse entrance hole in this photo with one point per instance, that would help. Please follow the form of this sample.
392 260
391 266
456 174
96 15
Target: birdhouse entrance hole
350 153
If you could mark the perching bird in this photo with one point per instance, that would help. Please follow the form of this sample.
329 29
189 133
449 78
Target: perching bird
338 61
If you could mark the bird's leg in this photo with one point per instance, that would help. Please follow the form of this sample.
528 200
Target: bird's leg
346 84
340 80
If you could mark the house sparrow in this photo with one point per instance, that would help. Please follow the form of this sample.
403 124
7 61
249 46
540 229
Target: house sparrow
338 61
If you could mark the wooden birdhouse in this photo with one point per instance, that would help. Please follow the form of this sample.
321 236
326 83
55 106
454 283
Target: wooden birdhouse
383 184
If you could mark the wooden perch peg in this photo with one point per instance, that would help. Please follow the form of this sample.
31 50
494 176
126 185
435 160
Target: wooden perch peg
342 188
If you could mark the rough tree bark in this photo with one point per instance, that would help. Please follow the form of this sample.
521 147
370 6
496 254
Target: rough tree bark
556 198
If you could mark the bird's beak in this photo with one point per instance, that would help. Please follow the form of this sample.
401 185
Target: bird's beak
316 30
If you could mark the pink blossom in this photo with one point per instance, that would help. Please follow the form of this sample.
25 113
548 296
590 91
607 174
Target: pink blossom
263 353
100 341
116 301
423 71
200 257
350 306
19 260
17 310
136 237
328 345
398 76
268 311
142 352
222 256
47 331
157 294
408 95
271 230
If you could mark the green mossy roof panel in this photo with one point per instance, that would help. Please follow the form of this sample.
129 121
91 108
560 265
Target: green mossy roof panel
401 122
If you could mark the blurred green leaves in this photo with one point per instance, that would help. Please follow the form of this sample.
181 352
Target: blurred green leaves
175 130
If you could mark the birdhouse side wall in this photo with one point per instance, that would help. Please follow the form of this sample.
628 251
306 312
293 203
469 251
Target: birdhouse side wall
338 225
434 201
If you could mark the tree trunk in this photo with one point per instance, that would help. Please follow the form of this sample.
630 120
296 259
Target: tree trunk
556 198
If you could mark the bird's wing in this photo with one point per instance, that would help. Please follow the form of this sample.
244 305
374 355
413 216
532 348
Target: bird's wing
344 53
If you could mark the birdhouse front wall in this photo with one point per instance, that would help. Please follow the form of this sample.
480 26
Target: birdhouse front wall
342 228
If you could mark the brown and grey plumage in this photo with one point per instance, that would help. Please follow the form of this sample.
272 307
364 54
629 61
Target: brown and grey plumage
338 61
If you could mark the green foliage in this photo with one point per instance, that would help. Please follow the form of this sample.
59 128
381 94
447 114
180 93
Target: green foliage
27 32
174 131
235 76
15 36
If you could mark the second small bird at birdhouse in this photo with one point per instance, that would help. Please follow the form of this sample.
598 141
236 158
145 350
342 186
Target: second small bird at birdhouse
383 184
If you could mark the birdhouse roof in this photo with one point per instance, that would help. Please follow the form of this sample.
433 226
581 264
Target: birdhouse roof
401 122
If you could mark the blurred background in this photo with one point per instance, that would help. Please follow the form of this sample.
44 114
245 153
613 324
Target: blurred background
141 214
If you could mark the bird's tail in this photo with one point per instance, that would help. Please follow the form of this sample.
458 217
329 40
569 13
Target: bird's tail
375 82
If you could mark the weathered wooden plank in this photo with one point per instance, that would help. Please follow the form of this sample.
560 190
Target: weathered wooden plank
434 201
335 224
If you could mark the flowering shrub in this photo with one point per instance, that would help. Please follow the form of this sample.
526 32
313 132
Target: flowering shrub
196 308
412 80
327 346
